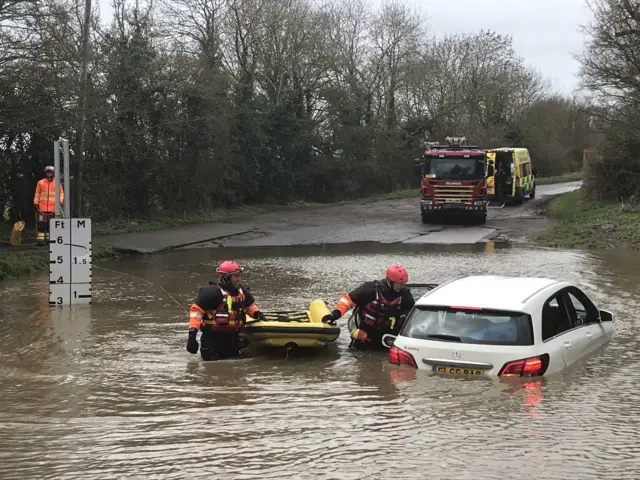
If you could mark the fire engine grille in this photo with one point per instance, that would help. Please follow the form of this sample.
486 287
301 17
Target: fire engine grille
453 193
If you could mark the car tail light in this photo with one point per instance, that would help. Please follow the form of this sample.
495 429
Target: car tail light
401 357
526 367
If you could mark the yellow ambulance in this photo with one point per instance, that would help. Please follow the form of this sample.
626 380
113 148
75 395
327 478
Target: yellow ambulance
520 176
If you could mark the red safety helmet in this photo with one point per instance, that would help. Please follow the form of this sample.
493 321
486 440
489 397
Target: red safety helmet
48 168
228 267
397 274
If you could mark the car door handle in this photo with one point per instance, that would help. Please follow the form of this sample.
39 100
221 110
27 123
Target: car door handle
567 344
589 334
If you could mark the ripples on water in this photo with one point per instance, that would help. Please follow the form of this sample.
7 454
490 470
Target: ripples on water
110 391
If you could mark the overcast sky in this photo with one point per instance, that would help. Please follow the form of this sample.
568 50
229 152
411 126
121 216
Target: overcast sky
545 32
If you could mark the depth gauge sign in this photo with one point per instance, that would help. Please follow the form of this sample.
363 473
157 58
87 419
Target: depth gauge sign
69 261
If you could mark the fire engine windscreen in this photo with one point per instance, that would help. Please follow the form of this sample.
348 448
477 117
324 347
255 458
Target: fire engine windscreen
455 168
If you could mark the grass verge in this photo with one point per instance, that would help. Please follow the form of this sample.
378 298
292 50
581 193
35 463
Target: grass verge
587 224
117 226
565 177
14 264
17 264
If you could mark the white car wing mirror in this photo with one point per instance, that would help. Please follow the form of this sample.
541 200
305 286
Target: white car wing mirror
606 316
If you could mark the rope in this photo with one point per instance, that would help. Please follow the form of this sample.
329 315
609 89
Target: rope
145 280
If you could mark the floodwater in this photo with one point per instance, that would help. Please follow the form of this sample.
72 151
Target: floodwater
109 390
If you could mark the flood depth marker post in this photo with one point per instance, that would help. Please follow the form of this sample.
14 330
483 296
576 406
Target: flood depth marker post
69 261
70 252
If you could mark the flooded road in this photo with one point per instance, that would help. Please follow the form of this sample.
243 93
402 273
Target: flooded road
109 390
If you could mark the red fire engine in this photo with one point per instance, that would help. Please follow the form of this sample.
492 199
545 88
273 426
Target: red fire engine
453 181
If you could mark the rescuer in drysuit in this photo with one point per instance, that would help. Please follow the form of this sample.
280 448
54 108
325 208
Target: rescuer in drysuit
220 312
44 201
381 307
501 184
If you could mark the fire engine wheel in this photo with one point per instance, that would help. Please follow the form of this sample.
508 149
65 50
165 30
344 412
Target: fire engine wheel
479 220
426 218
532 194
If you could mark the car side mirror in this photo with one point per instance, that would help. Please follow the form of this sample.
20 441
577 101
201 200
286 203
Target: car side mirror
490 171
388 340
417 167
606 316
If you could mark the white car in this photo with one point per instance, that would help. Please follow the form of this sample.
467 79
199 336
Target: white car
500 326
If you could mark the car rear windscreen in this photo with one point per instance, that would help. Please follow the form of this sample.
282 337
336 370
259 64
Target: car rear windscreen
484 327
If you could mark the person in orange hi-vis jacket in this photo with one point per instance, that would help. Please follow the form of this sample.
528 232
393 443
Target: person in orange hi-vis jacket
44 200
220 311
381 307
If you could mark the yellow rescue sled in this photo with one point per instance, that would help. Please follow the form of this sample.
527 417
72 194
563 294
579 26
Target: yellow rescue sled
290 329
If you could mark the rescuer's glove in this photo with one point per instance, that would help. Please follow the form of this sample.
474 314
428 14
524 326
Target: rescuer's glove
332 317
258 316
399 323
360 335
192 343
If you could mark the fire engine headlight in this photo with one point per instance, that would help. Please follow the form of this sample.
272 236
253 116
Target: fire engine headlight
478 203
427 202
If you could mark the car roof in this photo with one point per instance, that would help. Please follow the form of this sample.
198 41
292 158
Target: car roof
488 291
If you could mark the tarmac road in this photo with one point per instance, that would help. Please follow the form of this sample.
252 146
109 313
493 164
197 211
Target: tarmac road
383 221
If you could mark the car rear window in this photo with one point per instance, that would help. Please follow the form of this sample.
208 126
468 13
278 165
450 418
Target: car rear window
485 327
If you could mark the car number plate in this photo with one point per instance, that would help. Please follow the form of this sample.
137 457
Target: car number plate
457 371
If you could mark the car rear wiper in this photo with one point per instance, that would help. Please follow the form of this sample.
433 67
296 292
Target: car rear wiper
442 336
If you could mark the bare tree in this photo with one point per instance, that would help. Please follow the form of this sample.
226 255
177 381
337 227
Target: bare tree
397 37
610 68
610 65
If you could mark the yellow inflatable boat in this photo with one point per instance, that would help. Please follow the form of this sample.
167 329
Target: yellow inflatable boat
290 329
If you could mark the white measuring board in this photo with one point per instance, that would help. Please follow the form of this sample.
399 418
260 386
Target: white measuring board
69 261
